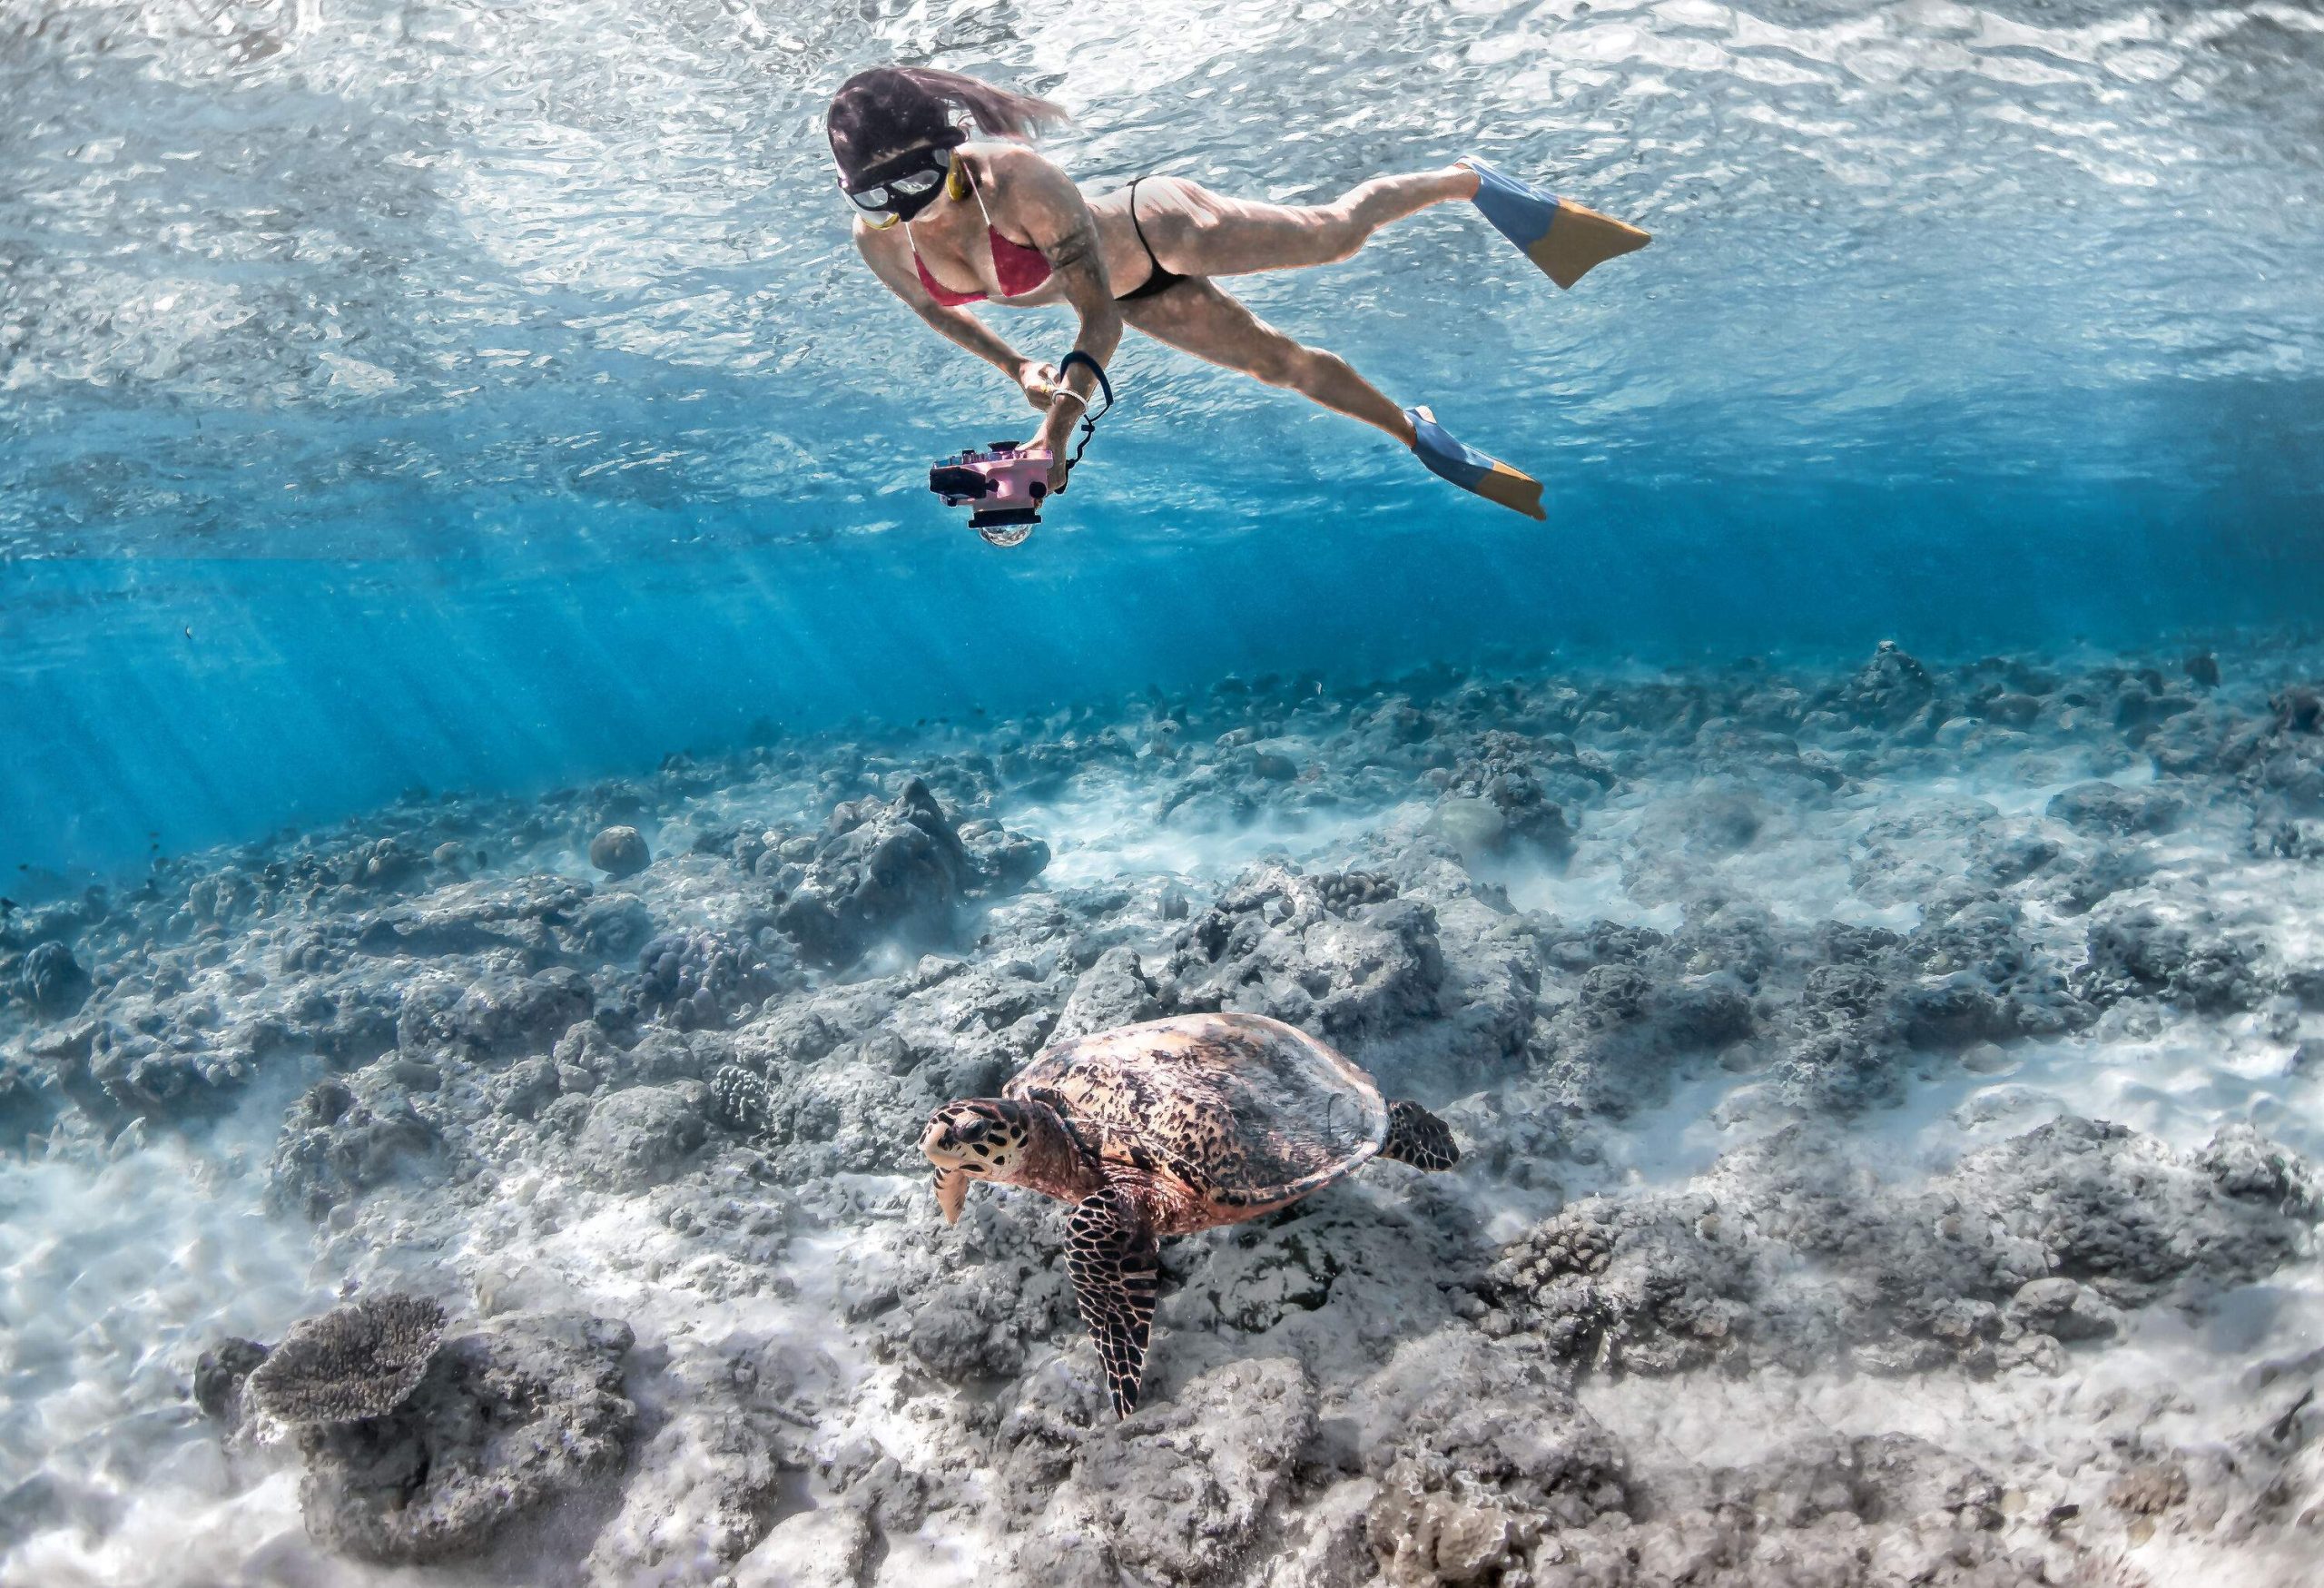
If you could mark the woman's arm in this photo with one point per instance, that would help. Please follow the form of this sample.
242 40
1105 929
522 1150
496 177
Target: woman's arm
1035 195
889 257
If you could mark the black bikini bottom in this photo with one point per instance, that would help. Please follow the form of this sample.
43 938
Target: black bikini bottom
1157 280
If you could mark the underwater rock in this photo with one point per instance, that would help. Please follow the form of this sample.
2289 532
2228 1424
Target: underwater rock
384 864
2061 1308
1907 858
492 1014
1338 954
614 925
620 851
2136 954
829 1547
2246 1165
896 869
1950 1012
524 914
53 980
2004 859
1004 861
1469 825
1498 800
219 1375
526 1087
1726 1274
2085 885
707 1485
1175 1496
1608 1047
354 1026
1117 990
24 1105
2283 770
1889 690
508 1418
2298 709
354 1362
1886 1509
2130 1216
641 1137
2108 811
335 1146
968 1304
152 1077
1467 1486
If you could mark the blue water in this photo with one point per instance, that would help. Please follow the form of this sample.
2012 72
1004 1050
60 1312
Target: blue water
484 396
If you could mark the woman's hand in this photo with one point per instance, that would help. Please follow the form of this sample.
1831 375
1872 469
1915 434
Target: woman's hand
1057 435
1038 382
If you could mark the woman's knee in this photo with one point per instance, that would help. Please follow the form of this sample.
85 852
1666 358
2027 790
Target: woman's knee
1350 220
1336 232
1287 363
1279 362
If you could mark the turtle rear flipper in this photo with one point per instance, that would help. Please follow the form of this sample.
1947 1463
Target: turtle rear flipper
1419 1137
1110 1251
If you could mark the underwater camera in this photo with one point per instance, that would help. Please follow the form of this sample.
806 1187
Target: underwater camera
1008 481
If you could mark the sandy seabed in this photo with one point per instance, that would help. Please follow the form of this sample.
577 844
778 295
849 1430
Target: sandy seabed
1889 1098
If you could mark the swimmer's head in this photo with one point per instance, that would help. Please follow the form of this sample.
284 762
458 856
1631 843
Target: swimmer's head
889 111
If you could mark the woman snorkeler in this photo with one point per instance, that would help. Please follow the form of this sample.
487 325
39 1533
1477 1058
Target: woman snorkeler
946 220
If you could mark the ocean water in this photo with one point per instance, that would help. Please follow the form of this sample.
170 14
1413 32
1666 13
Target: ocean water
432 433
456 395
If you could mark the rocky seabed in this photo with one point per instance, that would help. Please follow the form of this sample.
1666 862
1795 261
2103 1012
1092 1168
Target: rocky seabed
1889 1098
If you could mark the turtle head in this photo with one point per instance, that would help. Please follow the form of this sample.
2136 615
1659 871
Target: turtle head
982 1139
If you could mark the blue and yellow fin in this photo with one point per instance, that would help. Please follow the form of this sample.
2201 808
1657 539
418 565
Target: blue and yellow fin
1473 470
1561 236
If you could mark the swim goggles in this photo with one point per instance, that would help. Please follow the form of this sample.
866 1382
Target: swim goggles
900 189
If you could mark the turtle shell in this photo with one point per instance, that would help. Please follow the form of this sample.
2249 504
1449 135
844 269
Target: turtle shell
1244 1111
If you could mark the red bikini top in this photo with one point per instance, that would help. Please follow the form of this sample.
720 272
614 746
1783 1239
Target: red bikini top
1018 268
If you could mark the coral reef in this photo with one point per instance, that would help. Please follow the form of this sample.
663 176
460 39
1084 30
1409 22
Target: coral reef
1883 1094
511 1418
357 1362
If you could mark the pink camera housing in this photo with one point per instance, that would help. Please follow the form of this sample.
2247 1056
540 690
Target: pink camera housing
1007 483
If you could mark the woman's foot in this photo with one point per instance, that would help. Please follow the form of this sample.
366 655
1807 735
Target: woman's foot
1471 469
1565 239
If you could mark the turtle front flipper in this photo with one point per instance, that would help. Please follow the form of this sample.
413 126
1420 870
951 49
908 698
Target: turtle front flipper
1110 1251
1419 1137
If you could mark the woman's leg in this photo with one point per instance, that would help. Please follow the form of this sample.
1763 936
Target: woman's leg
1197 317
1197 233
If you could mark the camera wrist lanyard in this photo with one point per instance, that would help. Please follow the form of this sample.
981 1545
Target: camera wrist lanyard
1088 420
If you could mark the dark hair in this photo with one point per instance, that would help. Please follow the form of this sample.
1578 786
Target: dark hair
890 108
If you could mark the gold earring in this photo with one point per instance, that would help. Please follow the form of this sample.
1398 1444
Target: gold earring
956 182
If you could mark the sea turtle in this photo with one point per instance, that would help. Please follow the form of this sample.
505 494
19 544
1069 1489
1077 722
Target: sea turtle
1163 1128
